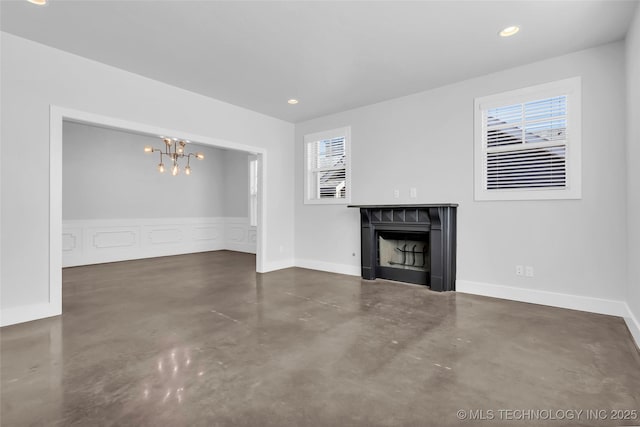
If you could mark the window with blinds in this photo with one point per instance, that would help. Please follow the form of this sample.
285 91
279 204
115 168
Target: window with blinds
528 143
327 167
253 191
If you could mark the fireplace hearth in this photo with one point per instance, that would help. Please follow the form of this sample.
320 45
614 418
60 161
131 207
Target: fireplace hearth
410 243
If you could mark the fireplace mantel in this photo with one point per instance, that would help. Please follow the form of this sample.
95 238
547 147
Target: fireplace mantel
438 220
433 205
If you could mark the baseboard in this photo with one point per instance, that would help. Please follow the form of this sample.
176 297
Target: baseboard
633 324
554 299
13 315
277 265
330 267
241 247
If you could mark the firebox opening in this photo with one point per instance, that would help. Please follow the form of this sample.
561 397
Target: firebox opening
404 250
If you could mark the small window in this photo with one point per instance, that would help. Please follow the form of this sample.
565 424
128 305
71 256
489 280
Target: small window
253 191
527 143
327 171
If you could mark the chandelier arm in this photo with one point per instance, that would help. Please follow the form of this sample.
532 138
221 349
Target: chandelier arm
174 154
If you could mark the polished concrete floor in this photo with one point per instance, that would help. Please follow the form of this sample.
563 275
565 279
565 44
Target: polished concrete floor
202 340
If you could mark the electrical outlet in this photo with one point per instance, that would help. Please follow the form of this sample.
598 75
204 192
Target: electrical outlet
528 271
519 270
413 192
396 193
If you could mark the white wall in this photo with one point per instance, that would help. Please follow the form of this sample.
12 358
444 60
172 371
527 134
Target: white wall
236 172
34 77
425 140
633 172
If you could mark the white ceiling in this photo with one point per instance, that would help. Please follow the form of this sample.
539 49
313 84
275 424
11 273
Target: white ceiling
331 55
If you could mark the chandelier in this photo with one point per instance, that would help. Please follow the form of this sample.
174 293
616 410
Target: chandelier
174 149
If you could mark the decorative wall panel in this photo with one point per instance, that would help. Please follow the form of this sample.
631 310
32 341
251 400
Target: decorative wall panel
99 241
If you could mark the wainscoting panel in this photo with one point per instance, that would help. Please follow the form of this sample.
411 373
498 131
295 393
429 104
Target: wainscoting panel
238 235
72 241
108 240
114 238
164 236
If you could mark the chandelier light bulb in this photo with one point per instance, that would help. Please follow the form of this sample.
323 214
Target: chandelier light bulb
174 150
180 149
38 2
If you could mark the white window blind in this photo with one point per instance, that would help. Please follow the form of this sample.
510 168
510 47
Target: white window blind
327 167
527 149
526 145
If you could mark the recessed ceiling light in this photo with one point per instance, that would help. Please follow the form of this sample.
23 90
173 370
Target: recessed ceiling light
509 31
38 2
292 101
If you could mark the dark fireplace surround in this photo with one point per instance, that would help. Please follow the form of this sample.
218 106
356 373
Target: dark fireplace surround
433 226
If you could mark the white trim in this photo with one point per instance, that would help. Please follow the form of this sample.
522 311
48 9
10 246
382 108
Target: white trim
261 241
57 116
277 265
26 313
633 324
250 159
350 270
554 299
55 212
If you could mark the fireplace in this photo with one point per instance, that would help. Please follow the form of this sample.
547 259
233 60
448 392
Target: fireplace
410 243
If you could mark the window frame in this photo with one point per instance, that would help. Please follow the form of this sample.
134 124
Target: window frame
573 190
253 185
308 181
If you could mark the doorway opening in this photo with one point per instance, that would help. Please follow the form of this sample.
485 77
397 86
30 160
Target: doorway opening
198 235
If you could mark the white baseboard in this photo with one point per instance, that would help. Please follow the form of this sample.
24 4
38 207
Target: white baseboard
349 270
277 265
108 240
240 247
554 299
13 315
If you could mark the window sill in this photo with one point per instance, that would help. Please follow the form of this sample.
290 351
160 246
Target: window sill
505 195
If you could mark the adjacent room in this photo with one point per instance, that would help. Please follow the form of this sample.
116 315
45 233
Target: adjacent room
124 198
319 213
